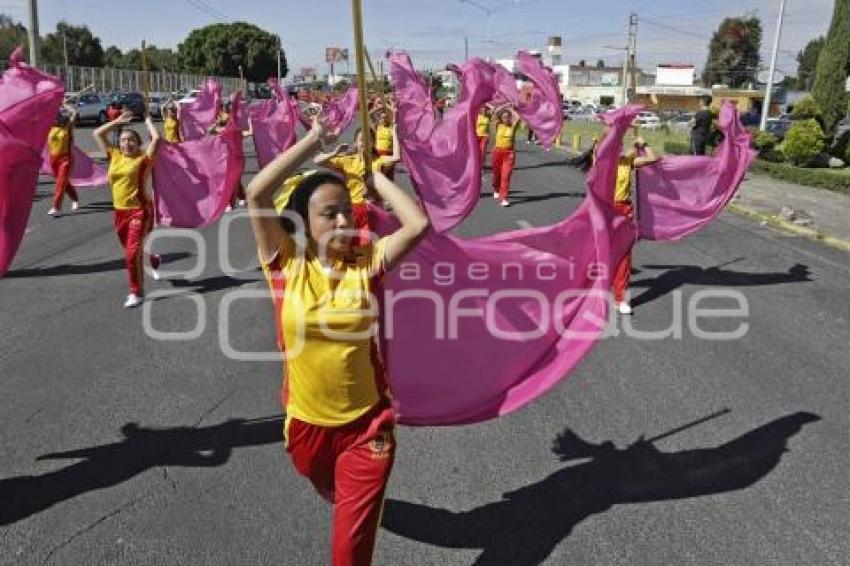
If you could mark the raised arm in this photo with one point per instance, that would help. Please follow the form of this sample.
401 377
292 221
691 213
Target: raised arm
268 231
323 158
414 222
100 134
72 115
153 146
648 157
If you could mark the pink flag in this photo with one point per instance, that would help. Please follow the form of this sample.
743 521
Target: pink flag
193 181
196 117
29 104
338 114
478 328
274 134
18 178
254 111
679 195
542 112
85 172
442 155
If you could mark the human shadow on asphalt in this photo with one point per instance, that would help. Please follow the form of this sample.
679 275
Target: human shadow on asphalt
525 526
140 450
562 163
87 268
211 284
677 276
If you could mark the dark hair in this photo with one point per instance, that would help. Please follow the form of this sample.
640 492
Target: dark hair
583 161
299 201
707 100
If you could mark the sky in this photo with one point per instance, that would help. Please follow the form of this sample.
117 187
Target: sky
433 31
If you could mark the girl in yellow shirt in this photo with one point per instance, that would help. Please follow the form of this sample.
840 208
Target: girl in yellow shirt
504 158
60 141
129 165
171 122
339 425
482 130
384 120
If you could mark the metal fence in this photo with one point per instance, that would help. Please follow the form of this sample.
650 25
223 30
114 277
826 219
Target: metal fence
110 80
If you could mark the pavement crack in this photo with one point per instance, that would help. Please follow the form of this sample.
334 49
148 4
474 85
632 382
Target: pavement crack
215 406
92 525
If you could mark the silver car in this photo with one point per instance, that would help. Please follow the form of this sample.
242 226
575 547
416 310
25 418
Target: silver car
91 108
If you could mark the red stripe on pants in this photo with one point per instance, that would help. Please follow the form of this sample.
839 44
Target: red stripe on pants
482 147
623 271
388 170
131 227
61 166
503 168
360 214
349 466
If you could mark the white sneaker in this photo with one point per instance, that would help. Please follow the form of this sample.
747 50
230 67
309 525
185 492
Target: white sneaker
75 205
133 300
495 194
242 202
155 274
53 212
505 202
624 308
228 209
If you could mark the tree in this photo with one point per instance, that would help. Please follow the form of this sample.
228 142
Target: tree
113 57
733 53
807 62
600 64
833 68
84 49
158 60
220 49
12 34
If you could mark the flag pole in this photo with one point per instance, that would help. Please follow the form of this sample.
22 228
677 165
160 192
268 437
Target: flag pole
361 84
145 78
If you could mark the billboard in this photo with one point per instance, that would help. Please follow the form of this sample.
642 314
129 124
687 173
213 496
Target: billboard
335 54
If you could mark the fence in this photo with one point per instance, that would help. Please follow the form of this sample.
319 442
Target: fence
110 80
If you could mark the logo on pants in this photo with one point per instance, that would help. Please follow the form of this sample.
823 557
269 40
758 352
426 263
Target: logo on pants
381 445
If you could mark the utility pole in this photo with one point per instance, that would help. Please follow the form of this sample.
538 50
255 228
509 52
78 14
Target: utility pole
631 57
465 48
769 90
35 48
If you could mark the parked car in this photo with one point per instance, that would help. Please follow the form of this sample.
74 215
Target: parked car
584 114
682 122
134 101
190 97
648 120
90 108
155 103
778 127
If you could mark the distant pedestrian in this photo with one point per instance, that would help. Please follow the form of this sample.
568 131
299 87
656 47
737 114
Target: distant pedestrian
701 127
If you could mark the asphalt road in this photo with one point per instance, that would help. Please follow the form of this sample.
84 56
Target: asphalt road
119 449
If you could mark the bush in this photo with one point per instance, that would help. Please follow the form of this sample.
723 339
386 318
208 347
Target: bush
803 142
773 155
677 148
824 178
807 108
762 141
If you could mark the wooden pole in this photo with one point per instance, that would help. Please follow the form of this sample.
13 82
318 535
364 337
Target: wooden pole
361 83
145 78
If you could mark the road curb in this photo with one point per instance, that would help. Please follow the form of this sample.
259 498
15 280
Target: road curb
778 222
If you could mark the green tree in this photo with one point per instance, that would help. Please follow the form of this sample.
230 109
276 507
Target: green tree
807 108
833 68
733 53
84 49
113 57
803 142
807 62
220 49
12 34
158 60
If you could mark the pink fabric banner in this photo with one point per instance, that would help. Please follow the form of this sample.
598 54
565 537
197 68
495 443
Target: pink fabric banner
338 114
438 153
542 111
85 172
680 194
479 328
254 111
29 104
193 181
196 117
274 134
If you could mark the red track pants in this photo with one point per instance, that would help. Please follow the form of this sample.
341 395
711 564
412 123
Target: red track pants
623 271
131 227
503 167
61 166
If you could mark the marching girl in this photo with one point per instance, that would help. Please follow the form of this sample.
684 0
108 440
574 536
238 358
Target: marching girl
353 168
384 137
60 141
238 197
129 165
171 122
482 130
339 428
504 157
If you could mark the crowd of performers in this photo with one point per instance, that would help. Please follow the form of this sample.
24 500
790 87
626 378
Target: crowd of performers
337 396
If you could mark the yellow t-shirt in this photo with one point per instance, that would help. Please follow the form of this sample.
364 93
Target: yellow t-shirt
127 177
59 141
353 168
384 138
172 130
623 185
505 135
325 327
482 126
